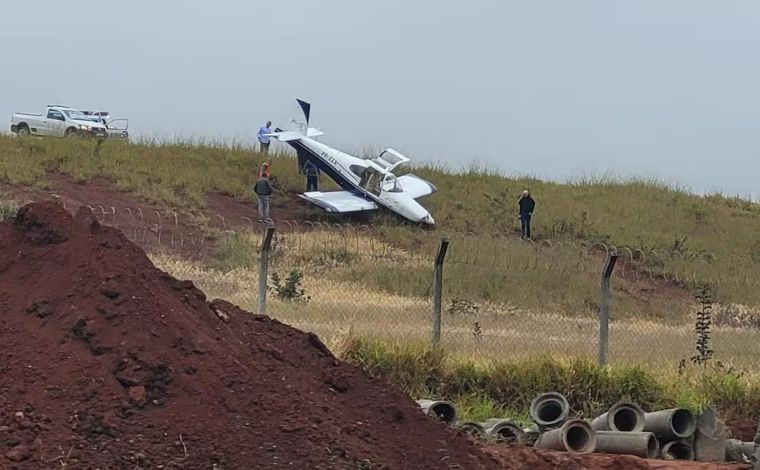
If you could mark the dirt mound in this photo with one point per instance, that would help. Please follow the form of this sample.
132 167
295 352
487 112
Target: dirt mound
107 362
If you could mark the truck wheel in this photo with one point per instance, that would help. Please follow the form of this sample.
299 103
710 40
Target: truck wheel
71 133
23 131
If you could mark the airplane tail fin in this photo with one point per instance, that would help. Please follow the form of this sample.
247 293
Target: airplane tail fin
295 128
306 108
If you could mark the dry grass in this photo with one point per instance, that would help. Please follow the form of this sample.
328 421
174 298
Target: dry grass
340 303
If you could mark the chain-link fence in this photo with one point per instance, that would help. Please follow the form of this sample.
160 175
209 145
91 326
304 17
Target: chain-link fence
501 297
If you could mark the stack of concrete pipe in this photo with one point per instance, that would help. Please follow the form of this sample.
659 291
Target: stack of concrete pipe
621 430
550 411
673 434
674 428
626 429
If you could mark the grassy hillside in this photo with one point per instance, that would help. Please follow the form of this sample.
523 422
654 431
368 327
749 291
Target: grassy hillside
637 213
692 239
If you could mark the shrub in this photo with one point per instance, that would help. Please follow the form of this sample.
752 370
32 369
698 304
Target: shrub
290 289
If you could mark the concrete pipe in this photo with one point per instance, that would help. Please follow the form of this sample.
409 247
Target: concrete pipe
504 431
709 439
574 436
623 416
442 410
471 428
670 425
640 444
677 450
738 451
549 410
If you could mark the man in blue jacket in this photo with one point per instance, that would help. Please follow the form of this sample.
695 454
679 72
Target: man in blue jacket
527 206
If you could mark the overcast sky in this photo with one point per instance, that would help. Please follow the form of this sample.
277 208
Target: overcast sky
551 88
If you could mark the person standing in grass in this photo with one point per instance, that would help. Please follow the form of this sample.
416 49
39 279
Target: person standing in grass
263 190
311 171
264 138
527 206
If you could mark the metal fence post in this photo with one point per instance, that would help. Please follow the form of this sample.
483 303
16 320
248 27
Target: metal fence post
438 289
604 310
263 270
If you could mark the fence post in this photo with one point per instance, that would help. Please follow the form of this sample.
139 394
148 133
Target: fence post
604 310
263 270
438 289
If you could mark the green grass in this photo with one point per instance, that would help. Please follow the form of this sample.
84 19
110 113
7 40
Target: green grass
639 214
177 175
484 389
8 209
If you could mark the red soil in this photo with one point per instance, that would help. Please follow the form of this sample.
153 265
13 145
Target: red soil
108 362
742 429
528 459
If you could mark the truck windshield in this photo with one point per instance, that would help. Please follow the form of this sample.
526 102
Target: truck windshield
77 115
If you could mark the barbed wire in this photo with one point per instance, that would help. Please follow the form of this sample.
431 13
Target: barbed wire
189 234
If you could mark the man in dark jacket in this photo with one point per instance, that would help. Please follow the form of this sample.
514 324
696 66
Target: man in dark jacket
527 205
311 171
263 190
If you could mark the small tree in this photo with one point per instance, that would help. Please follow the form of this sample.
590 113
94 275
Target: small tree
703 326
289 290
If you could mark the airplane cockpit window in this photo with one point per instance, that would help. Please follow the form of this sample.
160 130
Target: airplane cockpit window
358 170
371 181
391 185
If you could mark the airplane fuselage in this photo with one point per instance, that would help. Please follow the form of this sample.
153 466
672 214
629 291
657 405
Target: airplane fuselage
362 177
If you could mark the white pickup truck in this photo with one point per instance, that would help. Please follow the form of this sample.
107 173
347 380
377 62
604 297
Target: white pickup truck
57 120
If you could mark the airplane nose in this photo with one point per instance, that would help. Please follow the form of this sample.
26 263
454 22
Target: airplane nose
428 219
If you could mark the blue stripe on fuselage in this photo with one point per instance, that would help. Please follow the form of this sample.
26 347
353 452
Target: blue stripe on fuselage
342 181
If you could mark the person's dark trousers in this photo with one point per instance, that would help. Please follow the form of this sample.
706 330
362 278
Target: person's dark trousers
311 183
525 222
264 147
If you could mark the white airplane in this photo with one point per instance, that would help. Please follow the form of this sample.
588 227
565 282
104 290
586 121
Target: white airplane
368 184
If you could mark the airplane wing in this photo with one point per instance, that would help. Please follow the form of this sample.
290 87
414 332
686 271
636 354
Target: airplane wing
339 201
416 186
285 136
313 132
